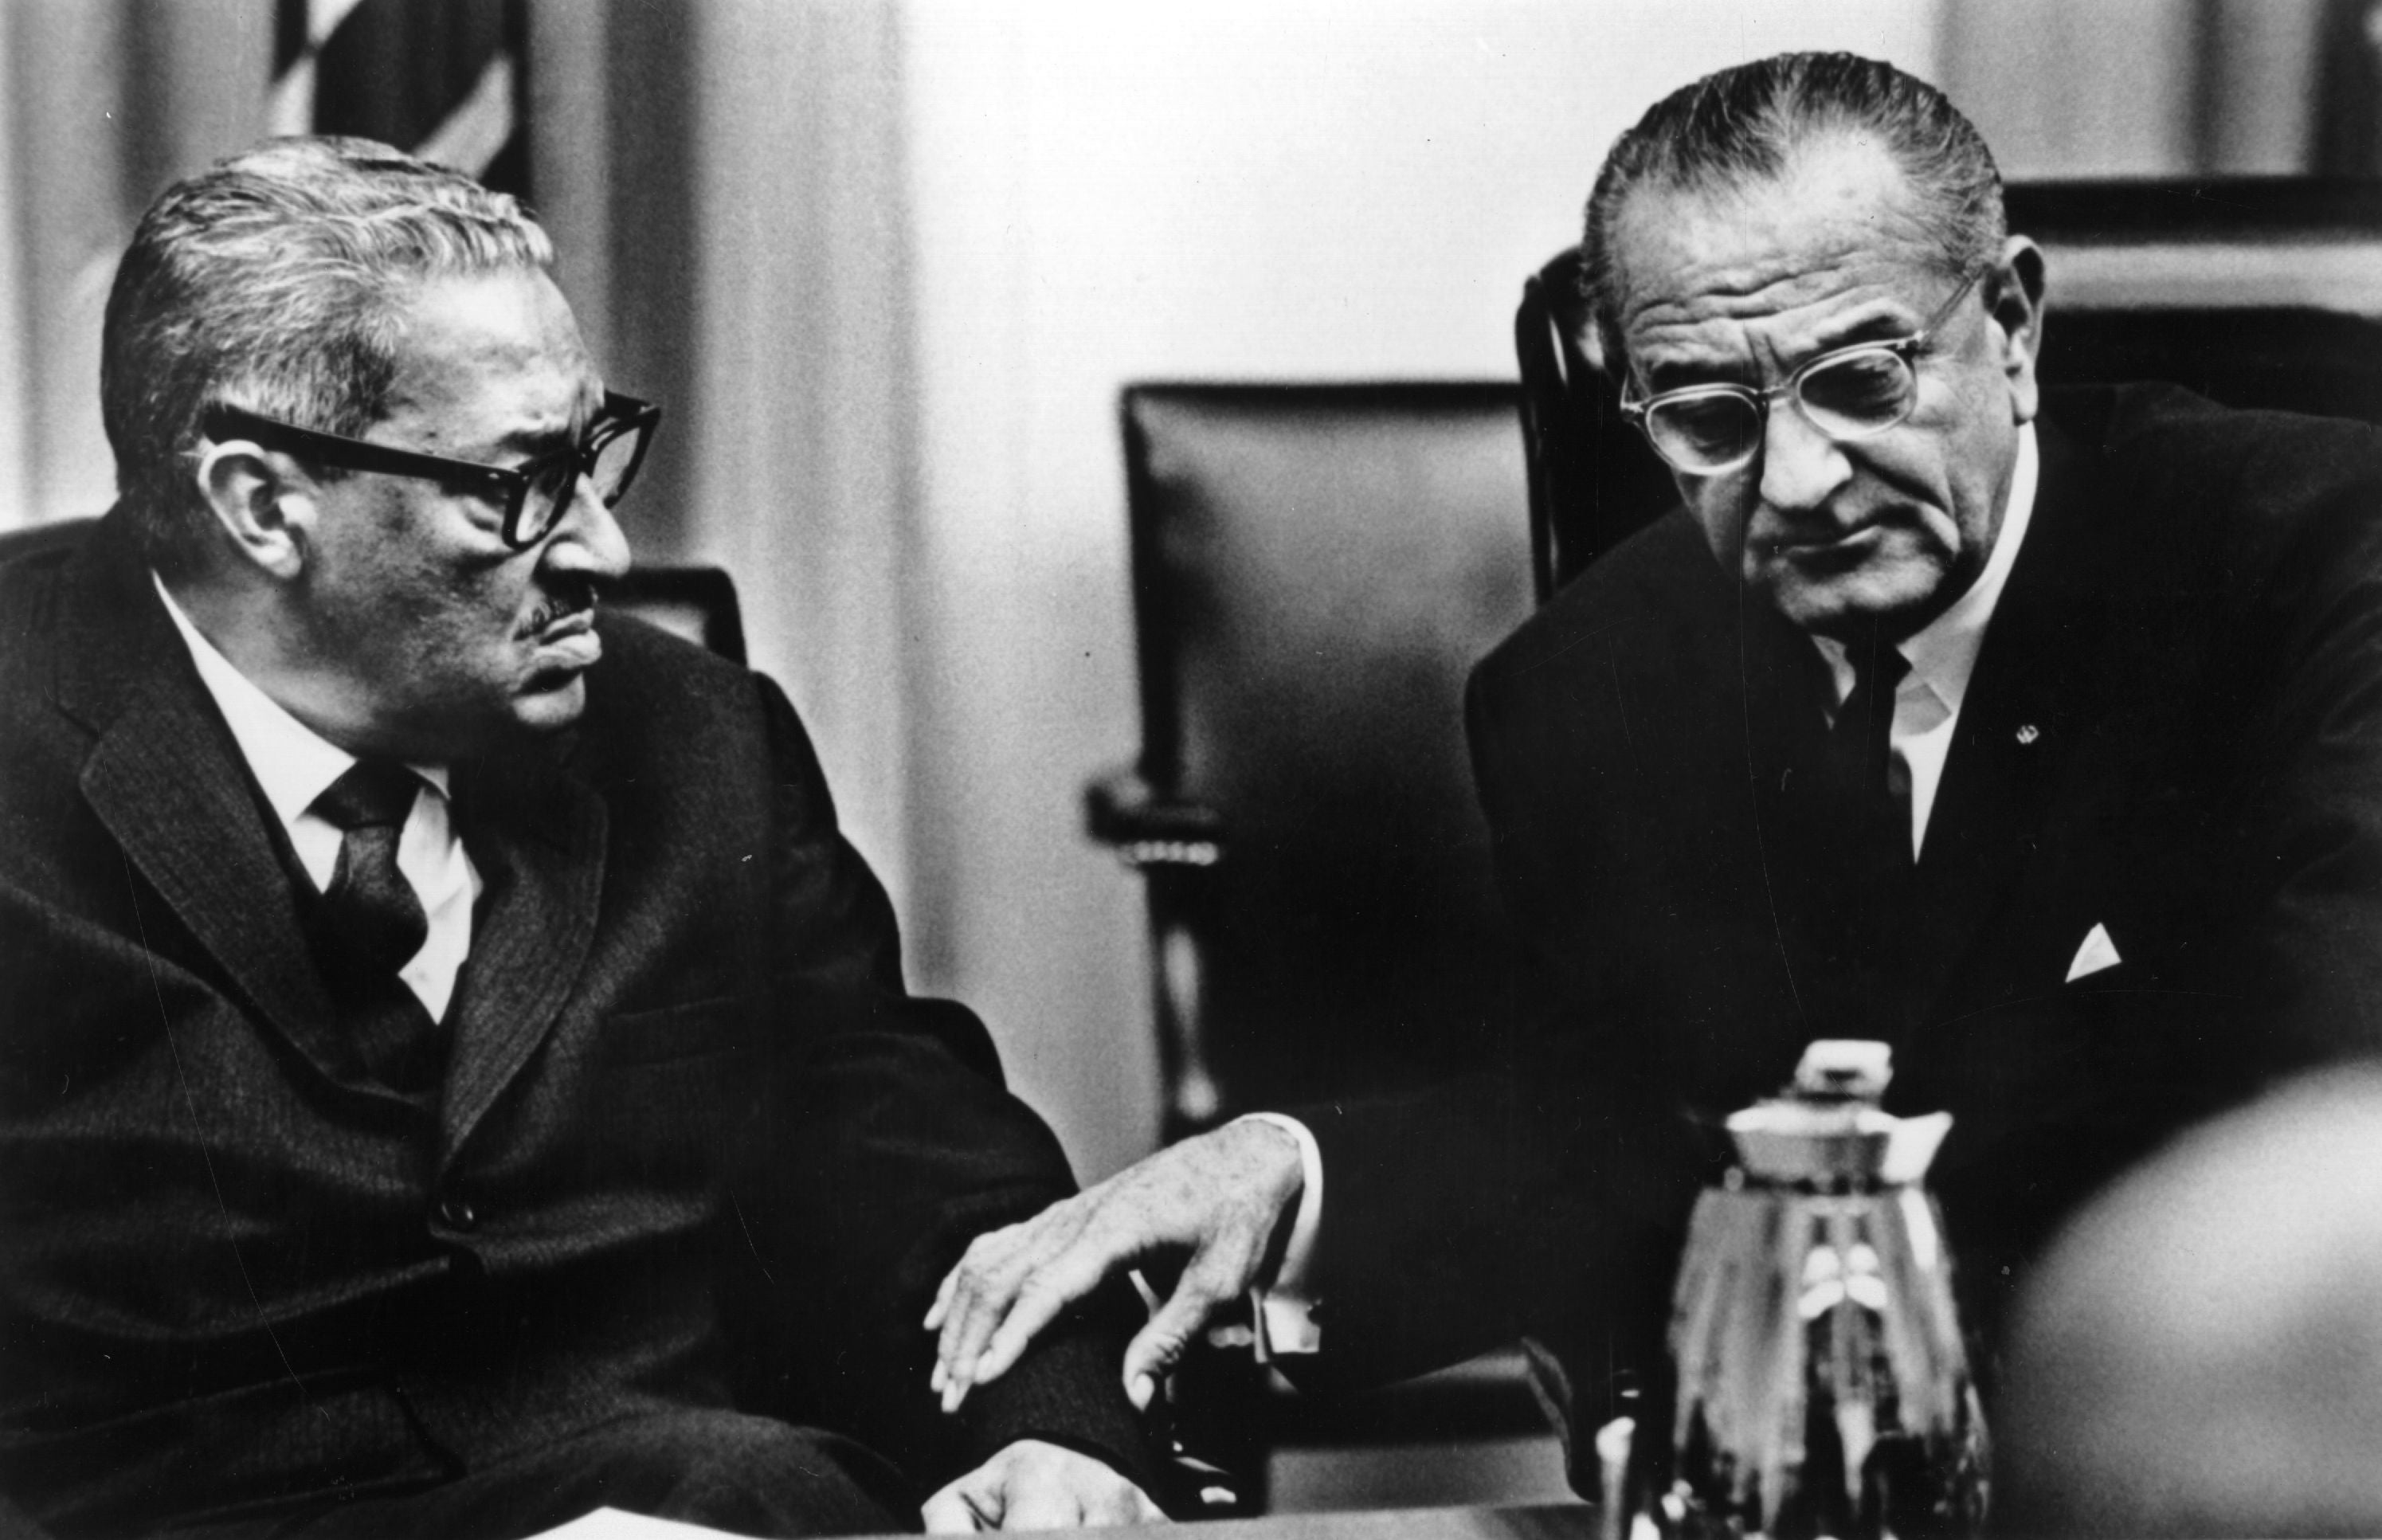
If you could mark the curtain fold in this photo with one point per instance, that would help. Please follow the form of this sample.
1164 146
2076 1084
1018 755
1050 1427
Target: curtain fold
106 103
724 181
2169 88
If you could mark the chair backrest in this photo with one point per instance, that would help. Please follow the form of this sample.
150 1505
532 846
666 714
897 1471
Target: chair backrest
1594 480
1315 567
57 535
698 603
2263 293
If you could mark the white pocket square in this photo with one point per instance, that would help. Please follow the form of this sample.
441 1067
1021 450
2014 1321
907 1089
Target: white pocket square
2097 952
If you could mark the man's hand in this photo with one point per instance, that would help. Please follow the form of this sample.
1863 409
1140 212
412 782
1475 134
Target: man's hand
1031 1485
1217 1197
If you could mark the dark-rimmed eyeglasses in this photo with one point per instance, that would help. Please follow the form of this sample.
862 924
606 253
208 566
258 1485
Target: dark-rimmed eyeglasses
533 494
1846 393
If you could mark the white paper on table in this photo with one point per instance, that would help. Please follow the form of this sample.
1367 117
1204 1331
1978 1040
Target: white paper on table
611 1523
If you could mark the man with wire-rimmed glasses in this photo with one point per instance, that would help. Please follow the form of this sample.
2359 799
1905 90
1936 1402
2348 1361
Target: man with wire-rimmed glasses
2038 735
453 1075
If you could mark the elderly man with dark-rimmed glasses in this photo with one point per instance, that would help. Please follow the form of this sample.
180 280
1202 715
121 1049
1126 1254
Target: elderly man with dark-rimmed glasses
454 1076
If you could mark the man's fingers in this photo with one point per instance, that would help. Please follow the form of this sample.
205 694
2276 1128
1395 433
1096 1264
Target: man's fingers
1015 1282
976 1293
974 1299
1219 1274
1156 1348
941 1307
984 1355
950 1512
1046 1294
1154 1351
1031 1485
1217 1197
1041 1504
988 1299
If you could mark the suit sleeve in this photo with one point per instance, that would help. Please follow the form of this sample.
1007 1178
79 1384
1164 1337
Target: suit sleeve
896 1143
2302 950
1542 1195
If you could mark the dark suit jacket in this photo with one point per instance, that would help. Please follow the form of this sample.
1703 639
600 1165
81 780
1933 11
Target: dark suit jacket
697 1144
2174 731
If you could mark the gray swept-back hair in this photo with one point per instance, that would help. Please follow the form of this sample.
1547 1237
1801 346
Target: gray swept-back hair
1739 127
276 281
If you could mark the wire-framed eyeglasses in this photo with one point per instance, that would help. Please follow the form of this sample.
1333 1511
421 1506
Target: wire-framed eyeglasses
533 494
1846 393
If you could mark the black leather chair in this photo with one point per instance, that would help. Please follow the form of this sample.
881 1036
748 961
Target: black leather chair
698 603
2256 293
1593 478
57 535
1315 570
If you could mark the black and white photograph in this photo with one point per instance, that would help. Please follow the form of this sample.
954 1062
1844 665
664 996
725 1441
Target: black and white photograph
1357 770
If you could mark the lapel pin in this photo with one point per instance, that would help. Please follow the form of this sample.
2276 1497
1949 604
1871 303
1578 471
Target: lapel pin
2028 733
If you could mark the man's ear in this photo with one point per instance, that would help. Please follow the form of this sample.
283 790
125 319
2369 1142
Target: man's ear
2014 296
264 504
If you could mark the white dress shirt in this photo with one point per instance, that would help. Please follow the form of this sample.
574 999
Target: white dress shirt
294 765
1926 711
1943 655
1282 1308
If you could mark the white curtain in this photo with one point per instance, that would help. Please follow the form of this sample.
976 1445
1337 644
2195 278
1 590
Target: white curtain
103 102
2140 88
724 181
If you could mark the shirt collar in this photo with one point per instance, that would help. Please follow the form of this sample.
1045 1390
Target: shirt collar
1942 654
292 763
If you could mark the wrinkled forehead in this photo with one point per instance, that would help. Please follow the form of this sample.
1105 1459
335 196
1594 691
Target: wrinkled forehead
1772 265
493 357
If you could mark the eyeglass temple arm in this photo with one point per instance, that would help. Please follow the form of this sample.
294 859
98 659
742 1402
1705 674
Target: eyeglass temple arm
355 454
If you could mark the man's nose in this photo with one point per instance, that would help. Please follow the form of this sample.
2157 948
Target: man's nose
1801 467
587 539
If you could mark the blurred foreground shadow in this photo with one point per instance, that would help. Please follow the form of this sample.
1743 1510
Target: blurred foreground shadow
2202 1353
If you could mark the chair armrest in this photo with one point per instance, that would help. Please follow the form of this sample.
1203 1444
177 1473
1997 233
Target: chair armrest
1124 811
1173 845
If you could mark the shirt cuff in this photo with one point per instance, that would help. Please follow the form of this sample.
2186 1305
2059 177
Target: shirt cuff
1283 1311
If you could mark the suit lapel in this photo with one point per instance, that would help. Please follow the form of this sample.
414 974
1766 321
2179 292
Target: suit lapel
536 831
165 778
2022 718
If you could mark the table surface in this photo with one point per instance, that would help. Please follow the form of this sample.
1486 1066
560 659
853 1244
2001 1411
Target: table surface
1552 1521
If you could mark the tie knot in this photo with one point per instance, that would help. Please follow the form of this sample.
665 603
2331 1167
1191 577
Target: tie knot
373 793
1877 668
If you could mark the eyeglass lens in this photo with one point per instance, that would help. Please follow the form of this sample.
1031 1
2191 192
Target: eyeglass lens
608 463
615 461
1860 393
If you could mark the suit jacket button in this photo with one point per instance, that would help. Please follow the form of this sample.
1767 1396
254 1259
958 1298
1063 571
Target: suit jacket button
457 1214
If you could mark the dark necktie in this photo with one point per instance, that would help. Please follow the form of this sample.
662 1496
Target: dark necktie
374 923
1876 791
1855 817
